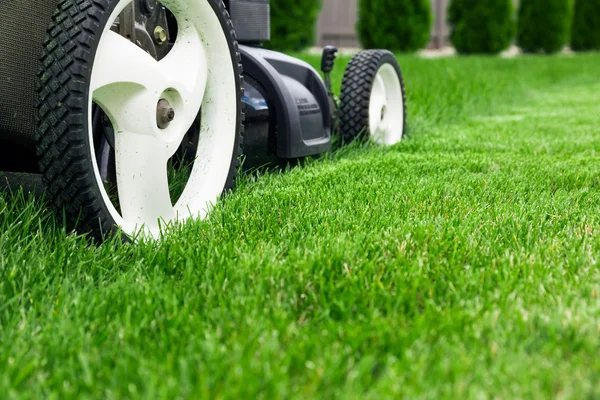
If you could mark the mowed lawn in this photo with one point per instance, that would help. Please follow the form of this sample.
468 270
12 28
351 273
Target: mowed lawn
461 263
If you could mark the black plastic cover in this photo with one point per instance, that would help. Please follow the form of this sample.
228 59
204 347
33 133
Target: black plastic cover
297 100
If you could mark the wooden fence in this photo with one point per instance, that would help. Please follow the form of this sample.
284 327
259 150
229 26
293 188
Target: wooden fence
337 24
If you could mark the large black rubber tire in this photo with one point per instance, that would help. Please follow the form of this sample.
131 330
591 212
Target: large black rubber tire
66 158
356 92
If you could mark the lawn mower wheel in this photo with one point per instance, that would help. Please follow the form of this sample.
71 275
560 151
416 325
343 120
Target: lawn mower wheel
372 104
138 127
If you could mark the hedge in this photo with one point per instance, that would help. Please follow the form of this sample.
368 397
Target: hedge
544 25
585 33
293 24
397 25
481 26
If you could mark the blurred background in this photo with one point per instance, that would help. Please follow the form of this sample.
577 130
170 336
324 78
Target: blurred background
337 21
462 26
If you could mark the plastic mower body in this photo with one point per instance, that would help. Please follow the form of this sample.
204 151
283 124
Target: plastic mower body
129 115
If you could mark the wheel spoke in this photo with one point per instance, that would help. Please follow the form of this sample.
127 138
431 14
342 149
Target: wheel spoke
186 70
377 103
381 90
119 61
141 162
134 89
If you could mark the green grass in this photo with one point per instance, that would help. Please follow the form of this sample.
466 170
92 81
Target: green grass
461 263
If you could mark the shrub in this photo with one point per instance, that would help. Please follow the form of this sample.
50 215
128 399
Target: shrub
397 25
585 33
481 26
293 24
544 25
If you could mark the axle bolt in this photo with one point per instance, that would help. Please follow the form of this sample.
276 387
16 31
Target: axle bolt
160 35
165 114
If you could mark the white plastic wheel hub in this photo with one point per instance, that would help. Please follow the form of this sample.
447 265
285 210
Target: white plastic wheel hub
386 107
128 84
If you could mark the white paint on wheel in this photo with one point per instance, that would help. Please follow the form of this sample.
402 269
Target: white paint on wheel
127 84
386 107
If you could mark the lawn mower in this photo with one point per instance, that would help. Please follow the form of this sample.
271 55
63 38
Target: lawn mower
131 113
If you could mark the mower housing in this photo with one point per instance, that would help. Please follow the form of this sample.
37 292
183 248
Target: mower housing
287 110
287 107
24 24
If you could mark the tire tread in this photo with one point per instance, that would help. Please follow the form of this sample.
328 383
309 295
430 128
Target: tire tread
356 92
65 159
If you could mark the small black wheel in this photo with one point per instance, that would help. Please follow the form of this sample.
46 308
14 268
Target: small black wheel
135 135
373 102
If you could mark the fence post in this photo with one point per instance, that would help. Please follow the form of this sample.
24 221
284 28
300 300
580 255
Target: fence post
338 21
439 37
